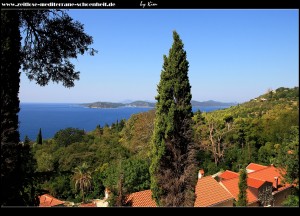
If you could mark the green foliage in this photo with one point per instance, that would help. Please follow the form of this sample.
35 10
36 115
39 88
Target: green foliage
288 156
173 168
260 131
137 132
39 138
59 186
51 38
242 196
69 135
83 179
136 175
291 201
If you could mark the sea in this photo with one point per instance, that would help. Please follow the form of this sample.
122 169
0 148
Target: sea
52 117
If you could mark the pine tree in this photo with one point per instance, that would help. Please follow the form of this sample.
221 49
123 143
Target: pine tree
51 38
242 197
173 167
39 138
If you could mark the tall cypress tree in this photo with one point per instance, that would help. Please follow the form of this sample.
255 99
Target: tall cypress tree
173 167
242 197
39 138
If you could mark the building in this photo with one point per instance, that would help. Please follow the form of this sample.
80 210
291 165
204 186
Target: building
265 188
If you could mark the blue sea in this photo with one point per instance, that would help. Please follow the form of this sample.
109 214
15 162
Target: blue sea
52 117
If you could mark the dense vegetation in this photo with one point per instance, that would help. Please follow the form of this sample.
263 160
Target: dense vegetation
118 156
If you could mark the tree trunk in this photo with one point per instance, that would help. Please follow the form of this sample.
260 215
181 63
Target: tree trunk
10 80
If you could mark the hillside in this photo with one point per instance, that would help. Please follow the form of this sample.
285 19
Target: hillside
261 130
211 103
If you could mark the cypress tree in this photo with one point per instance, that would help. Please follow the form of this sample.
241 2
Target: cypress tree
242 197
39 139
173 166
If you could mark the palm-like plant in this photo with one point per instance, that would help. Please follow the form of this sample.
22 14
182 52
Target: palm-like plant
83 179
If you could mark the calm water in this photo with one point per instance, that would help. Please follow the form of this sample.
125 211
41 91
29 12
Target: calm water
53 117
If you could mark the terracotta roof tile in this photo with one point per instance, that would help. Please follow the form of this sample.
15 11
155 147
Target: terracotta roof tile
268 174
228 175
141 199
255 167
255 183
47 200
209 192
232 186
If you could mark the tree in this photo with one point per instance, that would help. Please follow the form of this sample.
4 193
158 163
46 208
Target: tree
39 138
173 167
51 39
242 197
68 136
217 128
26 140
83 179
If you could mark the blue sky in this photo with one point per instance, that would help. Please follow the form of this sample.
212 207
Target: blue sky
234 55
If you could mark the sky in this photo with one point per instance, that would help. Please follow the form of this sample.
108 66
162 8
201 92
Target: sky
234 55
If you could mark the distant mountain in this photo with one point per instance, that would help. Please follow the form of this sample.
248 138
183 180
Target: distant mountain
151 104
141 104
117 105
211 103
103 105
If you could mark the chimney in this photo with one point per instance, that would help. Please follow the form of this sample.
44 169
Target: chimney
106 192
200 174
276 182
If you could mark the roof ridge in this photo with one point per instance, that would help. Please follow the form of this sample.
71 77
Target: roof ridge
231 171
220 183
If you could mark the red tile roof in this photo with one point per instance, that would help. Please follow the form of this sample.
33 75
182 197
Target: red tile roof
141 199
228 175
255 167
232 186
209 192
255 183
47 200
268 174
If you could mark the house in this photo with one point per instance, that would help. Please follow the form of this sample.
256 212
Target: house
210 193
265 188
46 200
280 190
254 186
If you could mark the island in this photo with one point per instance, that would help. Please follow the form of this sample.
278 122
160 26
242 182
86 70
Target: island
147 104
